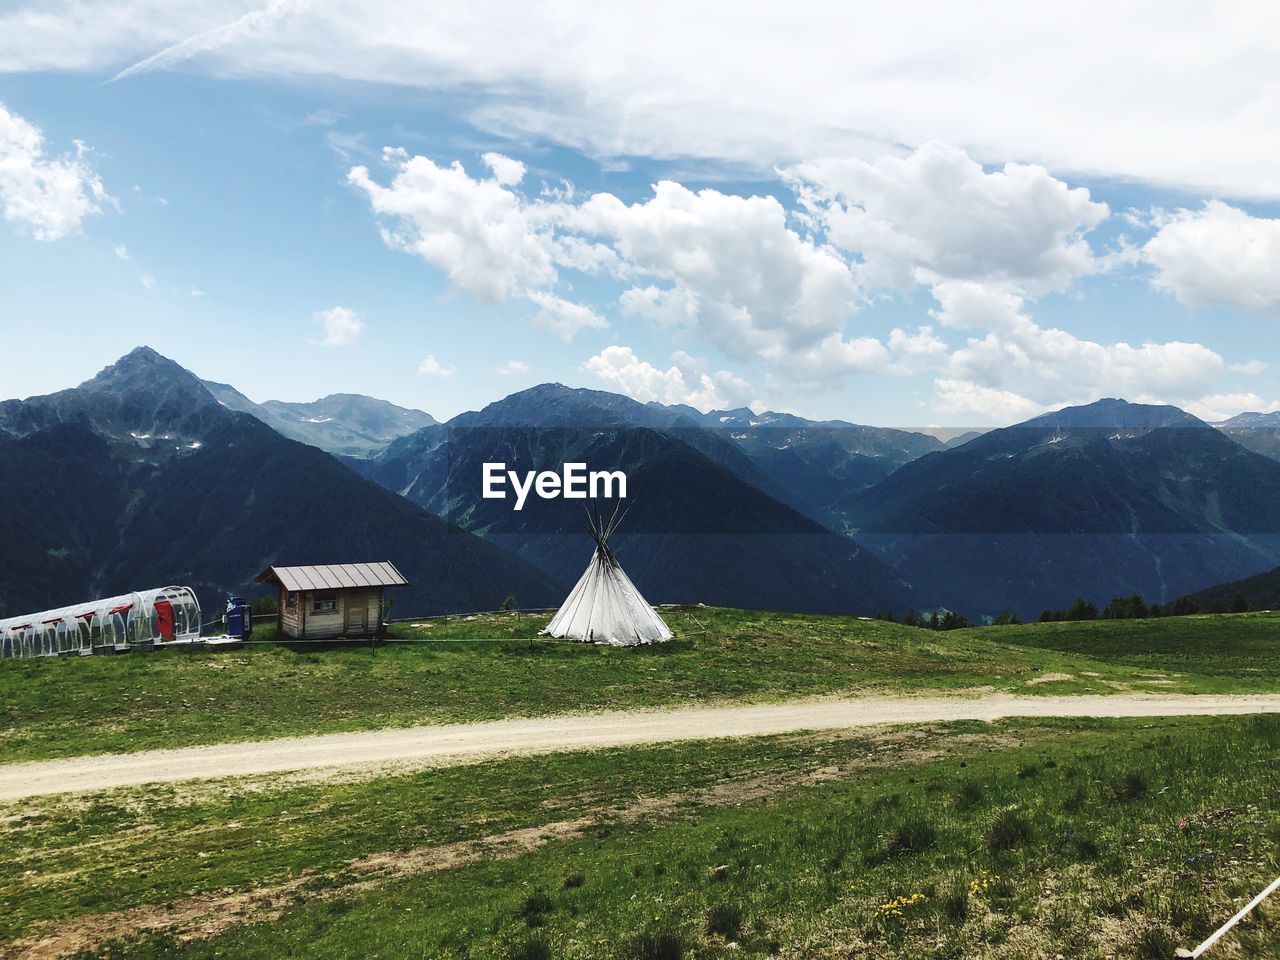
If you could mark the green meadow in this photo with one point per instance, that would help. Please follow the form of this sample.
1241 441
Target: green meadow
475 668
1081 839
1018 839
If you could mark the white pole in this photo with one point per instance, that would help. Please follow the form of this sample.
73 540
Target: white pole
1217 934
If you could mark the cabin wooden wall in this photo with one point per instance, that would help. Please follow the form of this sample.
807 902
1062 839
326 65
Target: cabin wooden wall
320 626
291 621
304 623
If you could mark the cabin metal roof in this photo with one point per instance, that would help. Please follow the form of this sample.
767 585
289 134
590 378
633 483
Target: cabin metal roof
334 576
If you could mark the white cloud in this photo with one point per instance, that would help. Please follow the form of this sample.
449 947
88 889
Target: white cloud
666 308
730 267
51 196
563 317
968 399
1183 99
513 367
936 214
506 171
727 267
78 35
348 146
919 350
475 231
148 281
342 327
1046 367
1222 406
431 367
197 292
830 359
968 305
685 381
1218 256
246 27
483 235
588 256
121 251
733 272
1140 219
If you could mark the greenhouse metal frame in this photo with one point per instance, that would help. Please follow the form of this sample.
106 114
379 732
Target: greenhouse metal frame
159 615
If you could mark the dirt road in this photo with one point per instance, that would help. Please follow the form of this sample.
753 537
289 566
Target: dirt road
461 743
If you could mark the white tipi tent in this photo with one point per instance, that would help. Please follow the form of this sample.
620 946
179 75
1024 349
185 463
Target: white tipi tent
605 606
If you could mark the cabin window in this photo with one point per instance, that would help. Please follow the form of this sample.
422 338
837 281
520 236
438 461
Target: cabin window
325 602
291 601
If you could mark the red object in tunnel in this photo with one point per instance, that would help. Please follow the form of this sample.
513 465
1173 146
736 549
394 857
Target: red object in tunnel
164 619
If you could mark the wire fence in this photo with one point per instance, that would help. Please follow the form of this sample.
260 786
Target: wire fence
474 613
220 621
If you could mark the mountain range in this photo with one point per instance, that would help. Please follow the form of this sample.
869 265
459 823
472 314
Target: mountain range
1259 432
817 467
146 474
704 522
1092 501
344 424
140 477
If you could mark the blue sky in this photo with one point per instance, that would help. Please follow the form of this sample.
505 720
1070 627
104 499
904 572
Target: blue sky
889 271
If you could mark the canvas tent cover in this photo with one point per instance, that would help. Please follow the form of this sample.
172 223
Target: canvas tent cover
605 606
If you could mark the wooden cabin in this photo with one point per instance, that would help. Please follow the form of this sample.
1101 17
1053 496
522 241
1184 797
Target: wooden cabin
332 601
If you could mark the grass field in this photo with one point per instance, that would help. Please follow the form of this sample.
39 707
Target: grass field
1012 840
1021 839
1232 650
51 708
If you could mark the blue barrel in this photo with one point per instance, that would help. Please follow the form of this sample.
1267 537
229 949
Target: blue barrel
239 618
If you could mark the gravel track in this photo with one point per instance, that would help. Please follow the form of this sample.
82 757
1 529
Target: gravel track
448 744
